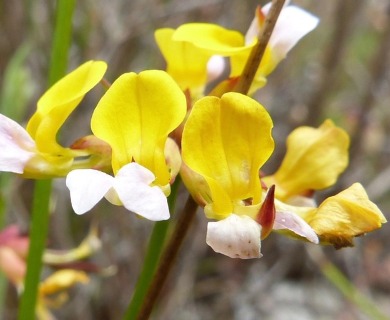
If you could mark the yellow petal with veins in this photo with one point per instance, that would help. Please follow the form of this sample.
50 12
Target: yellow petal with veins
314 159
226 140
348 214
135 117
55 106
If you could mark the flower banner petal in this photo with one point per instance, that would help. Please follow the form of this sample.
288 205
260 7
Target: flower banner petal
226 141
135 117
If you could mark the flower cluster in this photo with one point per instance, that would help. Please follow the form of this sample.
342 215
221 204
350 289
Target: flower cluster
149 127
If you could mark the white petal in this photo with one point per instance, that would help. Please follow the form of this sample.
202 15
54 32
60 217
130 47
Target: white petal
215 67
16 145
291 221
293 24
136 173
87 187
132 185
236 237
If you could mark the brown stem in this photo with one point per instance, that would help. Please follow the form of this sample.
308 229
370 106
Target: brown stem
258 50
168 258
105 83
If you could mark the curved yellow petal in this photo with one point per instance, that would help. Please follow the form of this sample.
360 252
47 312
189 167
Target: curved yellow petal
185 63
55 106
226 140
348 214
211 37
135 117
315 158
62 280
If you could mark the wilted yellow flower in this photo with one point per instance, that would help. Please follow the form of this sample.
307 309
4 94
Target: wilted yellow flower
314 159
344 216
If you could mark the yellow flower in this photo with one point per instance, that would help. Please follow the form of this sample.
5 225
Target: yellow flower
314 159
134 117
186 63
210 39
226 141
344 216
34 152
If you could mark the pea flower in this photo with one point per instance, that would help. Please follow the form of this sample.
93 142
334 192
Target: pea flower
192 40
186 63
314 159
292 25
34 152
134 117
225 142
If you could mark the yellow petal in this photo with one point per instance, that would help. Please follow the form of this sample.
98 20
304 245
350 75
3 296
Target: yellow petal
226 140
185 63
62 280
346 215
55 106
315 158
211 37
135 117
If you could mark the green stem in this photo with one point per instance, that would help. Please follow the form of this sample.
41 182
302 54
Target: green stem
42 191
153 253
38 232
61 40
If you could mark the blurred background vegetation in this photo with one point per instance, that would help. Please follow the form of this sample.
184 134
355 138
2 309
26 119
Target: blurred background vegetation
339 71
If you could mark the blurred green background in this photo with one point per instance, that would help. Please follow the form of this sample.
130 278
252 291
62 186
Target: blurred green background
339 71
